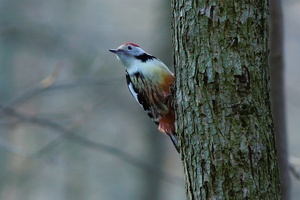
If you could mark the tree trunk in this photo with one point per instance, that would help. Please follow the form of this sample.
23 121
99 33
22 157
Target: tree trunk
224 119
277 91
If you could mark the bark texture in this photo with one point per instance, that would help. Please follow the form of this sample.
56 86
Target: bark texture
223 105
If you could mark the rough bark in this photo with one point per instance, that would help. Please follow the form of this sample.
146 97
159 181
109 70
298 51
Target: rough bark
224 118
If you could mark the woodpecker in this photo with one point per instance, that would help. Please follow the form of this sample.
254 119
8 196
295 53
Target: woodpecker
149 81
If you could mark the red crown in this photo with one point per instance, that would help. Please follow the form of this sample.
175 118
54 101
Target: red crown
130 43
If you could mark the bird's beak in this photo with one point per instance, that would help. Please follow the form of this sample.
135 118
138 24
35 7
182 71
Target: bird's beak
114 50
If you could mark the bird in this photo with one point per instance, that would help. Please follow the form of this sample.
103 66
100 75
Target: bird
149 81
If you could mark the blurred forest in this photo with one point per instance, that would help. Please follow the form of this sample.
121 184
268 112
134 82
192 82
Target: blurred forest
69 128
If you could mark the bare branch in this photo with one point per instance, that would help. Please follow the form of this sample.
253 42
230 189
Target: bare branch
34 91
48 84
77 139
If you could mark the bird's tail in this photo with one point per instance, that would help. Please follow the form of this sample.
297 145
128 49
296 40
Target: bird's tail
167 126
175 141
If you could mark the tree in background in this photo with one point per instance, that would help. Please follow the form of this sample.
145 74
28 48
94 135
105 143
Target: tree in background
223 105
277 91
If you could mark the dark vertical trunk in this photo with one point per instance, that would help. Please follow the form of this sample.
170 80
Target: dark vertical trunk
277 91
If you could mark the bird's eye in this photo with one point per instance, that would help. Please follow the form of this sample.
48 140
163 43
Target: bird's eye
129 47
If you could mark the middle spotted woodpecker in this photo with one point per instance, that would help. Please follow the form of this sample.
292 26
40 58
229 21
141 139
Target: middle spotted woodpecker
149 81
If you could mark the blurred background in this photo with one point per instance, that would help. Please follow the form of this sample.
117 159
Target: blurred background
69 128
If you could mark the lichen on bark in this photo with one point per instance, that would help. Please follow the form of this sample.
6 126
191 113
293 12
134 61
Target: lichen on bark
224 119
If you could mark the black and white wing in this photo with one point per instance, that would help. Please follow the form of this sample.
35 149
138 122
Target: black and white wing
149 97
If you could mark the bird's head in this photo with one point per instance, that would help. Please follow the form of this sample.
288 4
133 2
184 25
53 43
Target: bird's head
128 53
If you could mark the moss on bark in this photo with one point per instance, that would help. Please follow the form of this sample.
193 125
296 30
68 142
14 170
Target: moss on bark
224 118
